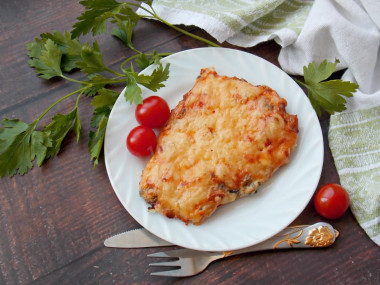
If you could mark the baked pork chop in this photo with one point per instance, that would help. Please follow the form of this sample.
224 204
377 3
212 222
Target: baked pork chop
224 139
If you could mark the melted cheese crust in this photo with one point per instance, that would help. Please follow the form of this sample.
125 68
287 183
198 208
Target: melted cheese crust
224 139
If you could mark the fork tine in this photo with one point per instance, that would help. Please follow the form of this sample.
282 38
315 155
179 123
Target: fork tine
170 273
168 263
190 262
175 272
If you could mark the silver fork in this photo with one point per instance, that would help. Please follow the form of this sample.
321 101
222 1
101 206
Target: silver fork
192 262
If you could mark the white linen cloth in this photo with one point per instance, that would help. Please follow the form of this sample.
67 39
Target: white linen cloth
348 30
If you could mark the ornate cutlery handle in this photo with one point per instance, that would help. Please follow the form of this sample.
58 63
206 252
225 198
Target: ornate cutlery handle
312 236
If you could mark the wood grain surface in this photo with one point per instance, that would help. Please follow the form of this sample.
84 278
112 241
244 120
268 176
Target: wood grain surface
53 220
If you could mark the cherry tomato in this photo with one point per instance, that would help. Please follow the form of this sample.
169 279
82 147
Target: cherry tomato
153 112
141 141
331 201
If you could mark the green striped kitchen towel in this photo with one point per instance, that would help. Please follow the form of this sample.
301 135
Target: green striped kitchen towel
242 23
354 139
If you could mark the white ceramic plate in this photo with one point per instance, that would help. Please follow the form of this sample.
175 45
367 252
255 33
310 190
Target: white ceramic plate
249 220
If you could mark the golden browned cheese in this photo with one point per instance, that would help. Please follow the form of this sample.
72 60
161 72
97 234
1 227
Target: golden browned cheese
224 139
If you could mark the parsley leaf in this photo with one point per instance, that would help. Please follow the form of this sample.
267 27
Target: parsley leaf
143 61
20 145
327 95
103 103
59 128
95 17
126 13
97 82
41 141
133 92
77 125
71 49
159 75
105 98
70 54
95 144
92 59
52 56
124 32
46 58
153 82
11 129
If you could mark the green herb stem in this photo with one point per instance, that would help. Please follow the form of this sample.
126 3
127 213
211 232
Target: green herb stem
113 71
71 79
136 55
301 83
105 82
188 33
126 61
154 15
110 81
80 95
57 102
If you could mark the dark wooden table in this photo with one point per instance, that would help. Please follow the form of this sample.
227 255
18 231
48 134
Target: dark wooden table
54 219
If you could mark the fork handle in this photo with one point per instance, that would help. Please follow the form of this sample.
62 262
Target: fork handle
312 236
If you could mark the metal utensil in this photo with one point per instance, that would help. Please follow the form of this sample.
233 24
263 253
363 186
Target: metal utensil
135 239
191 262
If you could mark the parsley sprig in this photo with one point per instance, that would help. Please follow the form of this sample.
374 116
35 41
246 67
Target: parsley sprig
57 54
323 94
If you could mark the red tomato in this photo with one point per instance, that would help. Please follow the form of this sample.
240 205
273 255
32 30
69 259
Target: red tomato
141 141
153 112
331 201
